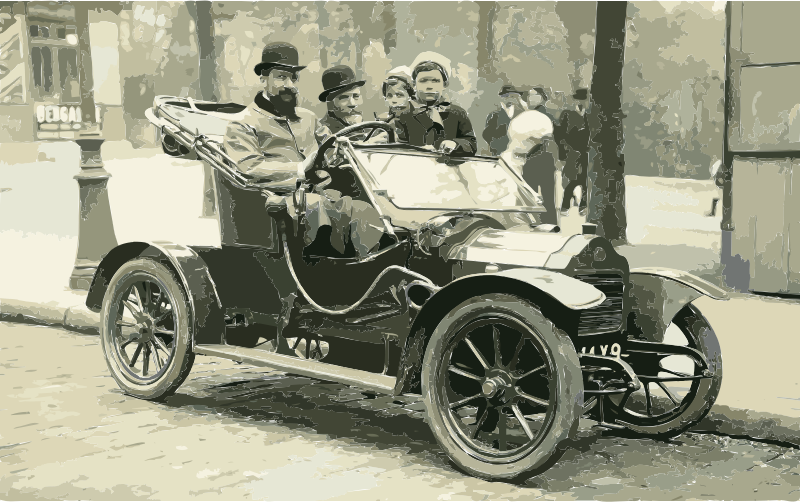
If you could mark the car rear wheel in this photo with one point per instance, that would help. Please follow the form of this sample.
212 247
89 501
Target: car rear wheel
502 387
677 390
145 330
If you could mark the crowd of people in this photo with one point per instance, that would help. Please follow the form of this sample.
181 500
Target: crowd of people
273 133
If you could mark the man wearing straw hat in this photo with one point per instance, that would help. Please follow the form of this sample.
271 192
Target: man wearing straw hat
275 144
433 122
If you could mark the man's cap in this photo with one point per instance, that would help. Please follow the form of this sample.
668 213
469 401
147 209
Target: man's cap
279 55
337 80
510 88
581 94
435 58
540 91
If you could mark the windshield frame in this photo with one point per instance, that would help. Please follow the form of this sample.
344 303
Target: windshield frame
374 187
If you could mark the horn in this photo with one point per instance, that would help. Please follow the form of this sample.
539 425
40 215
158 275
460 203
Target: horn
418 293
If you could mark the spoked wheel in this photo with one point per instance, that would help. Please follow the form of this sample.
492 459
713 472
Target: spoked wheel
502 387
678 389
145 331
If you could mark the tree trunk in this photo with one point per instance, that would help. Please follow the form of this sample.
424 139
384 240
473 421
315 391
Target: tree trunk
607 172
204 27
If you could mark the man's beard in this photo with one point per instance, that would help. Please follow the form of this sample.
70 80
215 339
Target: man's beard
285 107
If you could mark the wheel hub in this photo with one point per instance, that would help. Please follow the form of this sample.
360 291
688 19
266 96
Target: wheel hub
498 387
144 331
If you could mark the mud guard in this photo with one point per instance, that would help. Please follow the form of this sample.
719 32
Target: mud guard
550 290
208 317
657 294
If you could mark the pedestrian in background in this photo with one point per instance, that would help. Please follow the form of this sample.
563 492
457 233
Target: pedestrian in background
572 139
513 101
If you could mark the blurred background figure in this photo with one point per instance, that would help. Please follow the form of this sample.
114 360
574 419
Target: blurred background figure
714 174
398 92
529 134
572 139
513 101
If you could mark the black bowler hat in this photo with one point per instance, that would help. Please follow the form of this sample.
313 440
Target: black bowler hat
279 55
581 94
338 79
509 88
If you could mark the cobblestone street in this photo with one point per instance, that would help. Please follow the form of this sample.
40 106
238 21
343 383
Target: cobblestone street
239 432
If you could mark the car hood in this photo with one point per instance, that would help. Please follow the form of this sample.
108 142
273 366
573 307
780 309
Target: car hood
524 248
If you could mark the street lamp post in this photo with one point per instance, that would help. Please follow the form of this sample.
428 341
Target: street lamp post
96 228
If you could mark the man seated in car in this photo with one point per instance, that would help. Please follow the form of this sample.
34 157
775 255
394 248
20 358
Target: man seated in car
432 122
276 141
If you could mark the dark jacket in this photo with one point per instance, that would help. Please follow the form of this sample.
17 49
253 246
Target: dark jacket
496 132
572 138
416 128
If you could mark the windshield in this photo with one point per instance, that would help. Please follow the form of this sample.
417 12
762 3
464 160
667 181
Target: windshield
422 180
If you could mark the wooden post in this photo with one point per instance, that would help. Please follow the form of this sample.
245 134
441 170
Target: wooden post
607 172
96 229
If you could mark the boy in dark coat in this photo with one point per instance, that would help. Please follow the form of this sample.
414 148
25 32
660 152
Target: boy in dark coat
432 122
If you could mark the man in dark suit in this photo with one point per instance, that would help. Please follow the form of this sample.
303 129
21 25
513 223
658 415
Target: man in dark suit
513 101
432 122
572 137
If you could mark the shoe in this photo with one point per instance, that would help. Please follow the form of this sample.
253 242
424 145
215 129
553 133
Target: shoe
565 212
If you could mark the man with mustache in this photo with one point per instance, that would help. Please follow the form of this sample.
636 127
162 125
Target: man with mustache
433 122
342 95
513 101
275 141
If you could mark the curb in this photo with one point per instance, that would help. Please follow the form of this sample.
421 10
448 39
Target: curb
722 420
76 318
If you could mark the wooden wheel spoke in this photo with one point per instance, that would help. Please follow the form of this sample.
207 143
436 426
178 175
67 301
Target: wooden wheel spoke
135 355
498 355
161 317
531 372
137 314
146 358
164 331
522 421
533 399
513 363
125 324
464 402
480 421
159 344
676 373
477 354
669 393
647 399
156 358
138 297
459 371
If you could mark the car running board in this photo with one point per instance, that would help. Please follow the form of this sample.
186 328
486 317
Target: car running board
364 379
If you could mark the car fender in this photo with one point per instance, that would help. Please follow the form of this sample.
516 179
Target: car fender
657 294
554 293
208 319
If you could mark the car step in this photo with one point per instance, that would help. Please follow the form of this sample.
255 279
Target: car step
364 379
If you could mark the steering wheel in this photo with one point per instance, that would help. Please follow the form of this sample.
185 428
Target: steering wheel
331 141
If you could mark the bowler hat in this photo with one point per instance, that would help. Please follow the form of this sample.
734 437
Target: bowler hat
510 88
337 80
279 55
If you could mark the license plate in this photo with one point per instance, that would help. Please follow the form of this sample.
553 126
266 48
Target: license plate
607 349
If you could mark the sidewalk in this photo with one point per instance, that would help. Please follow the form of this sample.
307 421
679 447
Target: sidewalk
760 396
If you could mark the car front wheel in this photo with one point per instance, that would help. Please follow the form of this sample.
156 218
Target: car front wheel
145 330
502 387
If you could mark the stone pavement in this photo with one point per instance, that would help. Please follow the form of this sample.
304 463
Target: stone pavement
760 396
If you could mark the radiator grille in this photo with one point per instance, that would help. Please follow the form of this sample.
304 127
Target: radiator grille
607 316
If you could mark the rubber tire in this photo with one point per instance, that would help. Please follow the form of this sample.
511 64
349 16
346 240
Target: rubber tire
690 318
181 363
569 385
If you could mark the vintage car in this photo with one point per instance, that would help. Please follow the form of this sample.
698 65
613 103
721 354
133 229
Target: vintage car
509 330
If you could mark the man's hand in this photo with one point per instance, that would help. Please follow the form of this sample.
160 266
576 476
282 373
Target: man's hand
304 166
448 146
